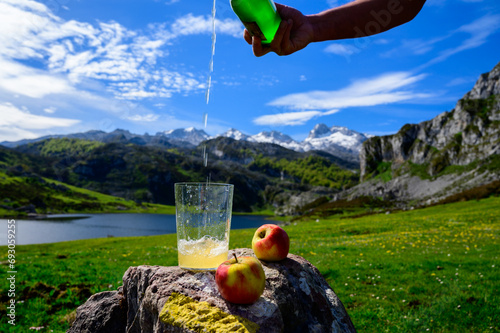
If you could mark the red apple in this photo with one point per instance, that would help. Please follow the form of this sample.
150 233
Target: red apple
270 243
241 280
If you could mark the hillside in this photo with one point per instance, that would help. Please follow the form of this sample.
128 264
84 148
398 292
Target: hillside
266 176
456 151
30 195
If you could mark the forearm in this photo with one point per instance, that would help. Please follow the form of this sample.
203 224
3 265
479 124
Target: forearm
363 18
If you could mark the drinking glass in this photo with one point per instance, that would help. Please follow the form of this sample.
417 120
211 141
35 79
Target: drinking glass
203 219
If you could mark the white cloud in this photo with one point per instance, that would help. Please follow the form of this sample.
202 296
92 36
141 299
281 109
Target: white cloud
341 49
31 82
192 25
459 81
107 52
144 118
478 30
383 89
26 27
12 133
415 46
17 123
14 116
290 118
88 70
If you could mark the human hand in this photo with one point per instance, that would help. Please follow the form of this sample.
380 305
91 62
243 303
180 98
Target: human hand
294 33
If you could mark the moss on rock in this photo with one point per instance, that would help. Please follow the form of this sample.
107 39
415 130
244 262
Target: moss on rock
184 312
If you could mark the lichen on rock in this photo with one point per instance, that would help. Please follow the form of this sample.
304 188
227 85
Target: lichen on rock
183 311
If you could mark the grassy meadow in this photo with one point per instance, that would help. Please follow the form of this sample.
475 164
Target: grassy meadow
55 197
425 270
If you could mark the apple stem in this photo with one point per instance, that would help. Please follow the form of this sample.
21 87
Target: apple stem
235 258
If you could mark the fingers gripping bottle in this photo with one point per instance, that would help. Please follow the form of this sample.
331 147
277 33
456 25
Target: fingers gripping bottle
259 17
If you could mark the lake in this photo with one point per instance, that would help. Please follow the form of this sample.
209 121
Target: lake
59 228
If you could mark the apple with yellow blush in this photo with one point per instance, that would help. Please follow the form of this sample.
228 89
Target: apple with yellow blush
270 243
241 280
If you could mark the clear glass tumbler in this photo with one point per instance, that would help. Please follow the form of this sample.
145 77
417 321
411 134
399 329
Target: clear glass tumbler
203 219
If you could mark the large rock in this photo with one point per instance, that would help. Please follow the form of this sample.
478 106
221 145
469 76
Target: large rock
170 299
103 312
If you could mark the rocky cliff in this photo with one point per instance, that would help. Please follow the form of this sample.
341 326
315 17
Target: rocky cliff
467 133
462 139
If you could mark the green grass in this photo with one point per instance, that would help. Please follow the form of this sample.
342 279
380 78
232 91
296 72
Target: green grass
384 171
313 170
64 146
433 269
57 197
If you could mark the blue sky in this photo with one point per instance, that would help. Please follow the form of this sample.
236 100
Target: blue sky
75 65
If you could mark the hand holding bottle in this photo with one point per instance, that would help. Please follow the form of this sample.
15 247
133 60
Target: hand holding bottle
294 33
354 19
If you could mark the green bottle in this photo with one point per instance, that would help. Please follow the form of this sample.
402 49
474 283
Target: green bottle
259 17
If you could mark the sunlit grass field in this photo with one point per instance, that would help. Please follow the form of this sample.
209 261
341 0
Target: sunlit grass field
425 270
61 198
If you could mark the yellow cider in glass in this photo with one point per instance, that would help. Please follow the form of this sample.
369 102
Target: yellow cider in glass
203 254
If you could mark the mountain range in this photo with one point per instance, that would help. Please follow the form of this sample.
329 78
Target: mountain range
338 141
456 152
265 175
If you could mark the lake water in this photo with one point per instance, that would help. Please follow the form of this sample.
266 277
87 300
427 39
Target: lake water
59 228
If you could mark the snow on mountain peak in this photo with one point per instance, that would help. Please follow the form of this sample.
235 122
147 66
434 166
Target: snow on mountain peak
318 131
271 137
234 134
190 134
335 140
276 137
